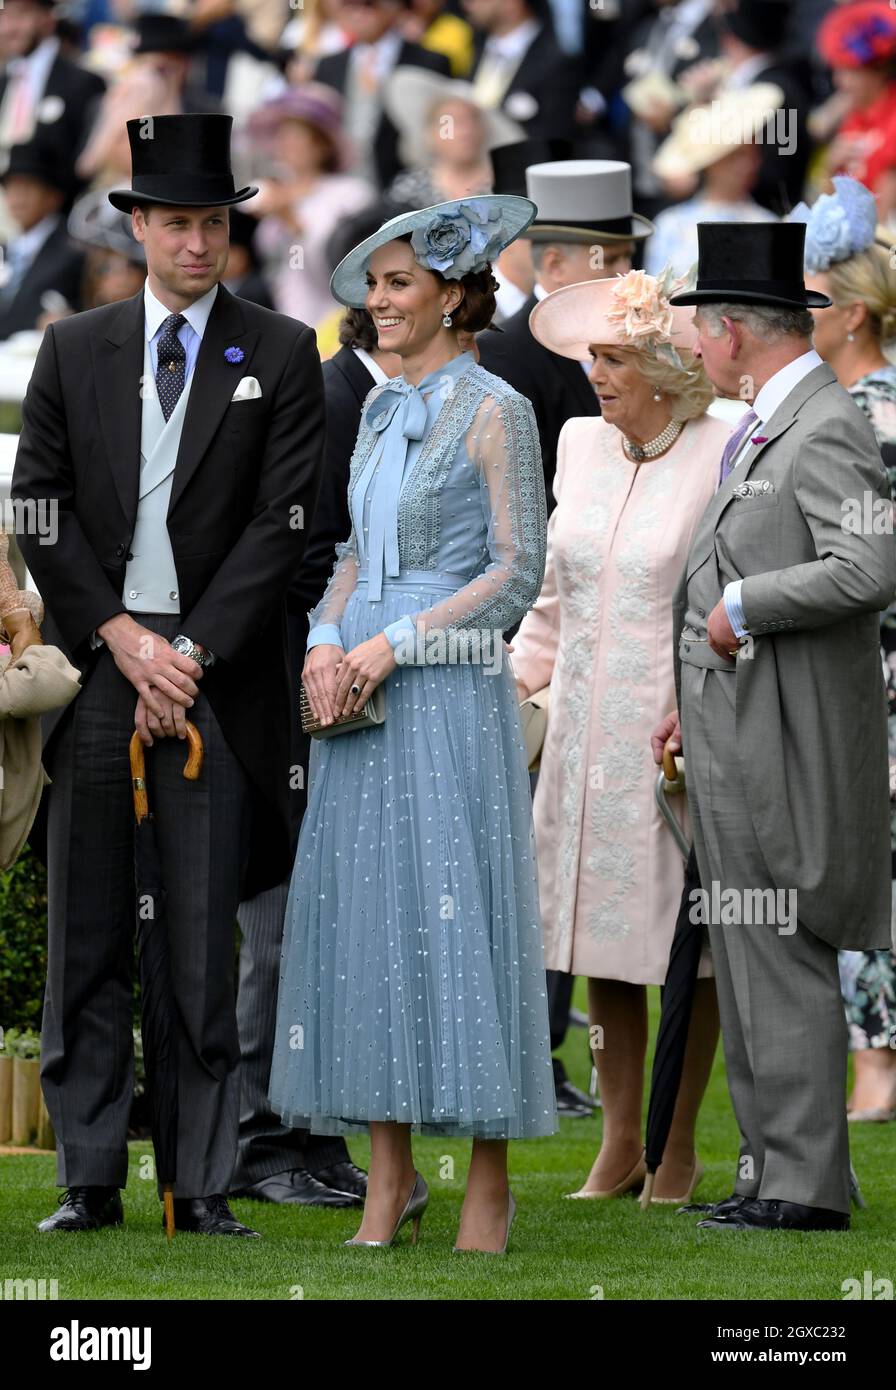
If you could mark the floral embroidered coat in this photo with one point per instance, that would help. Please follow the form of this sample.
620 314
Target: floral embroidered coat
610 874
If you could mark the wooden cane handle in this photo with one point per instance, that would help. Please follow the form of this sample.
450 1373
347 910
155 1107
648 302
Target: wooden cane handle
670 771
137 753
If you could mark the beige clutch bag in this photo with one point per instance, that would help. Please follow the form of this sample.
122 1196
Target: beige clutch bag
374 712
534 719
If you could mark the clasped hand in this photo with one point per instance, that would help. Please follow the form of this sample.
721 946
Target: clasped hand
165 680
329 673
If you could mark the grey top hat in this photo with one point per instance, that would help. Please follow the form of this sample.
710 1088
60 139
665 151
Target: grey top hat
584 200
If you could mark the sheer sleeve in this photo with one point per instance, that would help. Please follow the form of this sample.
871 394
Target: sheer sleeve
502 444
324 620
535 644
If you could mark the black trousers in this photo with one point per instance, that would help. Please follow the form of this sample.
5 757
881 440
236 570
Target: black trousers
202 828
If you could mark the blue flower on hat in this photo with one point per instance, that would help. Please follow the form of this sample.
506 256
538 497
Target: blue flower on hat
460 240
234 354
838 225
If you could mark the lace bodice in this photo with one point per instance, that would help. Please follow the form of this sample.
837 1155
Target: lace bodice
462 495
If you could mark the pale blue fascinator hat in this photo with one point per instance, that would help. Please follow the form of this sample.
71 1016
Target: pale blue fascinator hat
838 225
454 238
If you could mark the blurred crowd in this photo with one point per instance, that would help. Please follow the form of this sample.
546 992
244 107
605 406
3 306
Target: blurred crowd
349 111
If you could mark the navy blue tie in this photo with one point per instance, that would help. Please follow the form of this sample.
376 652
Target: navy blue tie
172 361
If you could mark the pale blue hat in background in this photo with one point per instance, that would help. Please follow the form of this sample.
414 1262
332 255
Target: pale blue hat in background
838 224
454 238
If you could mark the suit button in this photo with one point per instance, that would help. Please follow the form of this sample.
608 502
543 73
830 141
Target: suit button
173 593
119 550
130 555
687 646
700 613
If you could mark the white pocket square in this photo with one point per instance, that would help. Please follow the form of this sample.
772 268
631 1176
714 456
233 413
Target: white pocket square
248 390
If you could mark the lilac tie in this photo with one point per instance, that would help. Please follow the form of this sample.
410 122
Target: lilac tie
733 447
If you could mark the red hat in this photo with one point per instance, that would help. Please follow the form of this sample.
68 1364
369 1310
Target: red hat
858 35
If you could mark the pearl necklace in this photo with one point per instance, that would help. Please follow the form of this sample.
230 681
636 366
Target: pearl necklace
638 452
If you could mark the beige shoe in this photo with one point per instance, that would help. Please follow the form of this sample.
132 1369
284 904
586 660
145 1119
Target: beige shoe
684 1201
635 1179
877 1115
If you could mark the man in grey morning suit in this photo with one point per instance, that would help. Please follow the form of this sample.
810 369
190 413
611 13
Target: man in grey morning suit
783 723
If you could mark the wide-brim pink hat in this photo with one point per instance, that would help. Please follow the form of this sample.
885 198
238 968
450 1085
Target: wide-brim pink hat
630 311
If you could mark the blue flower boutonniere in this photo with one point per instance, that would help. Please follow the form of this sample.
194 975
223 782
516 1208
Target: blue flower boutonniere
234 354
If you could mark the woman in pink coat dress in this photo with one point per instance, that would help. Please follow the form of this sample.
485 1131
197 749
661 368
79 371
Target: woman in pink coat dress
630 487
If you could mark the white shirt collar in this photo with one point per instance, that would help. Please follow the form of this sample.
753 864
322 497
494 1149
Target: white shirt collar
374 368
386 49
38 63
779 386
196 315
747 72
539 291
512 45
26 246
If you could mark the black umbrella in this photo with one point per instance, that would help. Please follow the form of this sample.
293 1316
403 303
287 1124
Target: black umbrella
157 1026
678 991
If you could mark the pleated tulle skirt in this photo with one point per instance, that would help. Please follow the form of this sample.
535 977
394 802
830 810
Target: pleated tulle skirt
412 983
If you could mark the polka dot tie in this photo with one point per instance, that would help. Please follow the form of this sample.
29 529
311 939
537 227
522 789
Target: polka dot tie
172 361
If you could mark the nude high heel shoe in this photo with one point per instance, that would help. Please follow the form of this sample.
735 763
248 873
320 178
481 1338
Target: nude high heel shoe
414 1208
634 1179
683 1201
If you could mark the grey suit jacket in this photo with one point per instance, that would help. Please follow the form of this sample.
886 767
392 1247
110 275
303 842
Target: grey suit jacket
811 708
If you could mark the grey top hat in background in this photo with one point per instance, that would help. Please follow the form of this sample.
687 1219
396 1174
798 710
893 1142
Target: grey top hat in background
584 200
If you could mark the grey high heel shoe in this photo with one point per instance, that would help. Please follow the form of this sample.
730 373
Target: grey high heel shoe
414 1208
511 1213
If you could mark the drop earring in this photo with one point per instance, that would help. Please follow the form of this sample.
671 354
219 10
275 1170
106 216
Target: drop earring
446 320
657 395
850 337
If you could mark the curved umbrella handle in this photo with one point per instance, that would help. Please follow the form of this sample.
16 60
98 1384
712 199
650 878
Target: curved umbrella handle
137 752
670 780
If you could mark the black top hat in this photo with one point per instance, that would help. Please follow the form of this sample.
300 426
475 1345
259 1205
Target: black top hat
761 24
751 263
510 162
163 33
39 161
183 161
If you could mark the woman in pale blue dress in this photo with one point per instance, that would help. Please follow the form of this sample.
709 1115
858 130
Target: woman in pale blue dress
412 994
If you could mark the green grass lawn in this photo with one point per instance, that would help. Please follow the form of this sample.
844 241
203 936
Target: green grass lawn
559 1250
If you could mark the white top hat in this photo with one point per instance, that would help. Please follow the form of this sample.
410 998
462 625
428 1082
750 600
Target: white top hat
584 200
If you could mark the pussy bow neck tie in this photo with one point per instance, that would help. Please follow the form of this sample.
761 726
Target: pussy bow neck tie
398 415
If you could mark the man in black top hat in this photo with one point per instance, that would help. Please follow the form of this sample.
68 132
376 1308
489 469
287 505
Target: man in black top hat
752 35
41 258
167 43
783 722
175 438
42 93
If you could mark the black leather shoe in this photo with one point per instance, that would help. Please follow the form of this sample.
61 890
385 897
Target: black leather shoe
572 1101
207 1216
296 1187
85 1209
764 1214
723 1208
346 1178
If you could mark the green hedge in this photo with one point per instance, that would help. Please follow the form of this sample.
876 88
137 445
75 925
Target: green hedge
23 942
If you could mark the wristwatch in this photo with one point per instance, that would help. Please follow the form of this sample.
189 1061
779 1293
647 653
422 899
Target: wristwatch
187 647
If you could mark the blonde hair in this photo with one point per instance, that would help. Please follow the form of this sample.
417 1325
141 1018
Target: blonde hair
689 391
867 277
